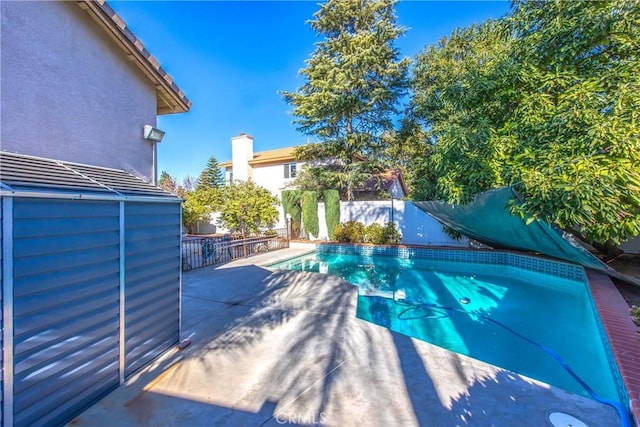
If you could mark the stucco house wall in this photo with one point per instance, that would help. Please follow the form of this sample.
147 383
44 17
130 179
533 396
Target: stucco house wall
68 93
272 178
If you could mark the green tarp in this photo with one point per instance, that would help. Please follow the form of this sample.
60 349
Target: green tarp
488 220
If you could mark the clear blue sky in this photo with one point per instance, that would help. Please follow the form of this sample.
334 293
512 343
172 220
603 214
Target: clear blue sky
232 57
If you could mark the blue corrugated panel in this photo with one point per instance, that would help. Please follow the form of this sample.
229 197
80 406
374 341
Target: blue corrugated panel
1 320
66 281
152 281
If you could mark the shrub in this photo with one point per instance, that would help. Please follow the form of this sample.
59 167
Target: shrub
270 233
374 233
331 210
285 196
635 314
391 234
291 204
310 212
349 232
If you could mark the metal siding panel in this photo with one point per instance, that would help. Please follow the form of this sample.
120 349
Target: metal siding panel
1 320
62 279
66 299
7 311
32 354
147 222
90 289
61 405
64 209
162 258
71 362
48 245
24 265
63 226
62 408
152 287
140 273
55 324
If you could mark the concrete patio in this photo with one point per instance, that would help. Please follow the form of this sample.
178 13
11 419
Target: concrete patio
270 348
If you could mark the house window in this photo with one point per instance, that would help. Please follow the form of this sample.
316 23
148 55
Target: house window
289 170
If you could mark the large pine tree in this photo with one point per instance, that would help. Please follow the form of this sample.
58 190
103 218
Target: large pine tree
211 176
354 80
167 182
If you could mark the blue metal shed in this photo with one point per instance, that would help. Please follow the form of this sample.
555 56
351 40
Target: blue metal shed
90 284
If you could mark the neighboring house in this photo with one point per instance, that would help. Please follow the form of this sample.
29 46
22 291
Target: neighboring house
272 169
90 249
276 170
383 186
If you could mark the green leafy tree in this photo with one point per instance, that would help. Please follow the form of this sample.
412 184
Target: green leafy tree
198 205
464 91
545 100
410 149
574 136
167 182
247 207
211 176
354 80
313 179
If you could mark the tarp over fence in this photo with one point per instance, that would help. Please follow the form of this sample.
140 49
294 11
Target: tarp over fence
487 219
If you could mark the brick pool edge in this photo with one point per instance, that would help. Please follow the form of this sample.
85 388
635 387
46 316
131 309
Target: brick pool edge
623 338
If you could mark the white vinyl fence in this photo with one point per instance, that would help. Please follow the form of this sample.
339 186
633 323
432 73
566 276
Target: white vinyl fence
416 227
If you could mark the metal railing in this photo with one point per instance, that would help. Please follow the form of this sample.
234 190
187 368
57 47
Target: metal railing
203 252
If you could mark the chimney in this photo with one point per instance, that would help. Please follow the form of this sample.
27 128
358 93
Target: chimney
241 153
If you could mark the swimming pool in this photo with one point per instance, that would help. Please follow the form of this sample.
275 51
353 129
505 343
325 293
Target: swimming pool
478 303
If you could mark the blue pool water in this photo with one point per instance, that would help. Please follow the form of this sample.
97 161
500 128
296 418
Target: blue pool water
553 311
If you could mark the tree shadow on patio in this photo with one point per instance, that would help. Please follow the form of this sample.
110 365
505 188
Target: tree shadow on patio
290 342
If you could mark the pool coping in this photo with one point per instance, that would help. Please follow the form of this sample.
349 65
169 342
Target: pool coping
616 320
612 309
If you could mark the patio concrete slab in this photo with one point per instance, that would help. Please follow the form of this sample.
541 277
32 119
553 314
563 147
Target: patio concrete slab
285 347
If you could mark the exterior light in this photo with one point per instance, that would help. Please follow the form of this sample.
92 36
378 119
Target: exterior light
152 134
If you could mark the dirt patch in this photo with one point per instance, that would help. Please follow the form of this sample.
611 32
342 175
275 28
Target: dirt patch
628 265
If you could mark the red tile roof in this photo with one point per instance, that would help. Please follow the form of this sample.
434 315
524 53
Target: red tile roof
384 181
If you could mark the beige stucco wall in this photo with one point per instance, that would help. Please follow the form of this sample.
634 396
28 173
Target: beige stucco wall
68 92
